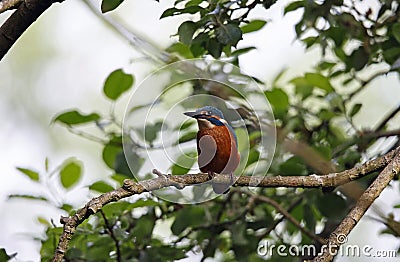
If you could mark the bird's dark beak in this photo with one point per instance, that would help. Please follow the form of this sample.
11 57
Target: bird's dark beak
191 114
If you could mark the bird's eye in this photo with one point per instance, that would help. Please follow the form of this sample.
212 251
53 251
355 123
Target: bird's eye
210 113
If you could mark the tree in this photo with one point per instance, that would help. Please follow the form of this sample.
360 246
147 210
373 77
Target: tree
320 174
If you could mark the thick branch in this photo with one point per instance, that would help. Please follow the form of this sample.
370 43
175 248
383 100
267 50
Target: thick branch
131 188
340 234
27 13
8 4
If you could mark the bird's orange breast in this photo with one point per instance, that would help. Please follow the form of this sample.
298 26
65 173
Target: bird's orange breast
217 150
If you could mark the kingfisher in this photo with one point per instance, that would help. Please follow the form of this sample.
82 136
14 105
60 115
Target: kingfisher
217 146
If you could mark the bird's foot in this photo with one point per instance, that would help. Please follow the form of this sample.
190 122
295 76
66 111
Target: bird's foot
231 179
211 175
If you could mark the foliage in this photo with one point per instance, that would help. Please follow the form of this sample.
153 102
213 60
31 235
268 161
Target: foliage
219 29
315 108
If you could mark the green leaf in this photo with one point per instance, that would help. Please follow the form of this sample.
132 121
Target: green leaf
184 163
116 208
190 216
70 173
392 54
186 31
331 205
214 48
293 6
109 5
324 150
187 137
43 221
193 3
117 83
113 209
396 31
239 232
121 165
338 34
358 59
74 117
101 187
143 203
279 101
302 87
228 34
241 51
33 175
66 207
119 178
192 9
100 248
152 130
163 253
144 228
355 109
4 257
309 217
268 3
199 44
253 26
180 49
310 41
170 12
254 156
110 152
294 166
320 81
304 91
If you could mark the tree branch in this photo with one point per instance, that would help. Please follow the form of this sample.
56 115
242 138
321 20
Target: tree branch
27 13
112 235
340 234
8 4
180 181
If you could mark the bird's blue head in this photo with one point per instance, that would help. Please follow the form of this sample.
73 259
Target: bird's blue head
210 117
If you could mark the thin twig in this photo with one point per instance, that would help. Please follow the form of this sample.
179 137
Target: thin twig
279 220
112 235
226 201
290 218
86 135
363 83
388 118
